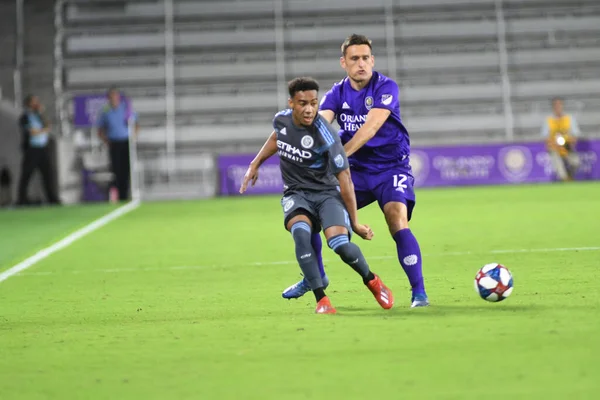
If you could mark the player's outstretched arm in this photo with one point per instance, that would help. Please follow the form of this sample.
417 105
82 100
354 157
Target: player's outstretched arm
375 119
328 115
268 149
347 191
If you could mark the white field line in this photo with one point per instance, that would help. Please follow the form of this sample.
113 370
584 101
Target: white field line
287 262
68 240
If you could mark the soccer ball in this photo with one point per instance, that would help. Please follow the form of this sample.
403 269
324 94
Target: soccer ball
494 282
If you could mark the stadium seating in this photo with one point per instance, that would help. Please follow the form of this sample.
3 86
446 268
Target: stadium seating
446 57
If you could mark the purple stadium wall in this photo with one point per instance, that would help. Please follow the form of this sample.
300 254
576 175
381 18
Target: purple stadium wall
493 164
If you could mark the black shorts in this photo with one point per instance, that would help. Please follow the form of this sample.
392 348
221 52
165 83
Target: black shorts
325 209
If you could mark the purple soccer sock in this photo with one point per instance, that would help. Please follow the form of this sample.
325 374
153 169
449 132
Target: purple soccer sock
317 244
409 255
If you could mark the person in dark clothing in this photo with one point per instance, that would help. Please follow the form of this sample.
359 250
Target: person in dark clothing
35 131
5 186
113 125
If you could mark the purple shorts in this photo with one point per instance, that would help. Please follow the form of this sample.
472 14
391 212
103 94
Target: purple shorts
395 184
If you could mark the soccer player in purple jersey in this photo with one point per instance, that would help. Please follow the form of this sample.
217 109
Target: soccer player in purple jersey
367 108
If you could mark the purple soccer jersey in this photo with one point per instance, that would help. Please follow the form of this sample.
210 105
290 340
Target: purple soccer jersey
380 169
391 145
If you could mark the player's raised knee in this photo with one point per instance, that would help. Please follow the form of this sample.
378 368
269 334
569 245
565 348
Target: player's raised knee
299 218
301 228
350 253
335 231
338 242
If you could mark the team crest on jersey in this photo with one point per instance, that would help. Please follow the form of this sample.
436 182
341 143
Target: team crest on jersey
368 102
386 99
307 142
339 161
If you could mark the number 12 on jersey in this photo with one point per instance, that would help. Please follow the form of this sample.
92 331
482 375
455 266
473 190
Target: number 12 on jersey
399 182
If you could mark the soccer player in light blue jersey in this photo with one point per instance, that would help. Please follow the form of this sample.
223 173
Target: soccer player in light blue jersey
366 106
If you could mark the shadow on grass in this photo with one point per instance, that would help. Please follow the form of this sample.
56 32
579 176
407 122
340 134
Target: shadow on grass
450 310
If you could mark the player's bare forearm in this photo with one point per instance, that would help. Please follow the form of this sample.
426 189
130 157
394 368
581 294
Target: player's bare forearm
375 119
348 196
328 115
268 149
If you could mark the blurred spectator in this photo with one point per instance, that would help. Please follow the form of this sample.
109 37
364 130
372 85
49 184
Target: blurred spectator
5 186
561 131
35 131
114 126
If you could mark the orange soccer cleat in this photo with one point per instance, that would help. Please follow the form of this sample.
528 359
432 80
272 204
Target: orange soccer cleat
382 293
324 306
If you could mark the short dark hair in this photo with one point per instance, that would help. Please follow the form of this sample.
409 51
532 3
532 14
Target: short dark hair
302 84
27 100
552 100
355 40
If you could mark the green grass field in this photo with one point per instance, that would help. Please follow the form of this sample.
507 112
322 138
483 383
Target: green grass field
183 300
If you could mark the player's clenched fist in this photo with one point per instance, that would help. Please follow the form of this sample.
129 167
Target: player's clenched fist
364 231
